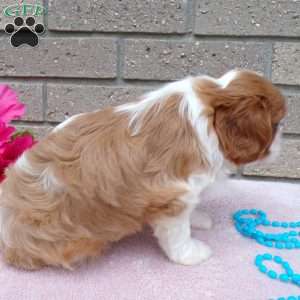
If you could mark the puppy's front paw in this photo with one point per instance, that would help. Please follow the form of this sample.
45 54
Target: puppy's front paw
191 253
201 220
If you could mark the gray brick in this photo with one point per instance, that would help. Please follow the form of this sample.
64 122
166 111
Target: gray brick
158 16
67 100
292 122
252 17
288 164
60 57
286 63
32 95
38 131
169 60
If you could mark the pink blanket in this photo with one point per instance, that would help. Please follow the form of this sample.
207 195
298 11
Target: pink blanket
136 269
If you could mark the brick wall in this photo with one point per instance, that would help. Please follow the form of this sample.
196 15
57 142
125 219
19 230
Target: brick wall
97 53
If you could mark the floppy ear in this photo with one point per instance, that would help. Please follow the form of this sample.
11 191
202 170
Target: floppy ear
244 128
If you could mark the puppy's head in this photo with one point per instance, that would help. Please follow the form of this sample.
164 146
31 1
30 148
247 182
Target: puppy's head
247 111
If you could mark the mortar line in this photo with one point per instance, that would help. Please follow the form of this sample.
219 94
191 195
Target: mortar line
88 81
270 179
35 123
164 36
45 99
189 15
124 82
270 60
120 61
45 16
291 136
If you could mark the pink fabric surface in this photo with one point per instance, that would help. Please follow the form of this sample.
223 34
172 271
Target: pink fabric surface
136 269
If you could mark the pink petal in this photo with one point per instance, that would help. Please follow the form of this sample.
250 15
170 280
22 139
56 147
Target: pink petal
5 134
10 107
16 147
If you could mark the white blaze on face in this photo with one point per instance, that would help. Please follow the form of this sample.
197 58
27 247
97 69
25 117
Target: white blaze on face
275 147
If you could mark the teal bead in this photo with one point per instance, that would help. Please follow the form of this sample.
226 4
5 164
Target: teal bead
275 224
285 264
272 274
278 259
296 277
259 257
248 233
285 238
258 263
269 244
267 256
289 245
259 233
293 233
284 224
293 225
277 237
281 298
261 241
284 277
262 214
285 235
289 272
287 268
236 216
263 269
279 245
291 298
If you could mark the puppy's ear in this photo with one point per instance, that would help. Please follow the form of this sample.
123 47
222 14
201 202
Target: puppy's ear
244 128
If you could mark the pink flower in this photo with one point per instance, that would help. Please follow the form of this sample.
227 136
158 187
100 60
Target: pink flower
10 107
12 151
11 147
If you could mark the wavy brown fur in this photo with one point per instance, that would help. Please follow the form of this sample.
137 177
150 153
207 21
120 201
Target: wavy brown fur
106 184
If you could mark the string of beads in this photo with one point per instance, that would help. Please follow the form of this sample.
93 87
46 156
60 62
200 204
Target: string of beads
246 222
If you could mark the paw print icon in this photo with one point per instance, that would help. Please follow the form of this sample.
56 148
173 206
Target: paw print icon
24 32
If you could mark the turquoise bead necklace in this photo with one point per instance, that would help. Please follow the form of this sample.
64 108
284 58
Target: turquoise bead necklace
248 228
288 276
246 222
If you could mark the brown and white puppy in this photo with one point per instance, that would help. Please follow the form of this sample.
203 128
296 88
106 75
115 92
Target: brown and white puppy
101 176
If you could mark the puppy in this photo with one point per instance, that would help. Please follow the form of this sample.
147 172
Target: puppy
101 176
